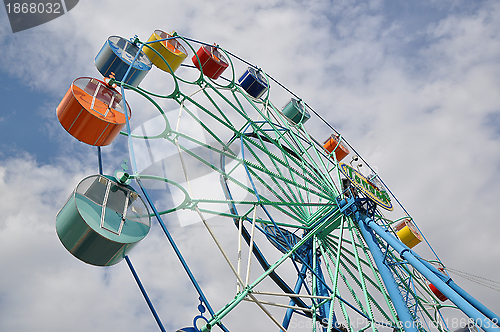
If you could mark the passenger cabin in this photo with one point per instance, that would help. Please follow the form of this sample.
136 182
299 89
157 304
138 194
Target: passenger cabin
296 112
212 61
92 112
115 58
253 82
335 146
408 233
102 221
171 50
438 293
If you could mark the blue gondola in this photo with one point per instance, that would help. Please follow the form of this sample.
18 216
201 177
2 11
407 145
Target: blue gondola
253 82
115 57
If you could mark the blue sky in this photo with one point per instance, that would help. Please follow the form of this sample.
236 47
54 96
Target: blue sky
24 107
413 86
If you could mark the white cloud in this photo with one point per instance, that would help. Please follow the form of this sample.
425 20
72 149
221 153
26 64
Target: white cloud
422 119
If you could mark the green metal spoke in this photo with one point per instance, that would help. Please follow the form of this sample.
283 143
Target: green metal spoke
299 212
288 192
314 283
215 104
358 283
210 113
326 177
280 139
281 174
284 179
309 179
239 297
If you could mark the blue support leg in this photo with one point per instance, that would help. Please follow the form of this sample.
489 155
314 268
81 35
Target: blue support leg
179 255
323 291
296 290
406 254
146 297
475 303
402 310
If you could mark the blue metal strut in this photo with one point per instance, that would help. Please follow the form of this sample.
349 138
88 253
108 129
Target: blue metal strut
475 303
389 282
296 290
408 255
146 297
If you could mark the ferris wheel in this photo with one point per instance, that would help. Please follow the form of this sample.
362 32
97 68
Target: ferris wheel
325 238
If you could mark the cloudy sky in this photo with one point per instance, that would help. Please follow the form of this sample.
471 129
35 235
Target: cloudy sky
413 86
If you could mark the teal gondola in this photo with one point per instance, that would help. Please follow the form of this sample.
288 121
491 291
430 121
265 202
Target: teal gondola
102 221
296 112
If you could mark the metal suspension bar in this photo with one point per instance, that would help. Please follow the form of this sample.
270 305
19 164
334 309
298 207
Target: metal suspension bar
387 277
267 312
330 314
146 297
234 270
406 254
99 159
314 258
279 305
228 261
240 226
258 254
306 296
250 250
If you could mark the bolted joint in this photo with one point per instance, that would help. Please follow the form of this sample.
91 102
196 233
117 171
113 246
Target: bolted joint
122 177
135 40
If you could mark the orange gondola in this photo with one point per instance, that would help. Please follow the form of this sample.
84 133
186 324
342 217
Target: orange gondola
332 143
92 112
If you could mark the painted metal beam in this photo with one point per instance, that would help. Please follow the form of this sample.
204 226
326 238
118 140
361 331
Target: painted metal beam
406 254
298 285
146 297
478 305
183 262
408 323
